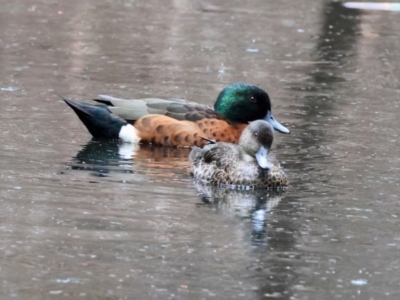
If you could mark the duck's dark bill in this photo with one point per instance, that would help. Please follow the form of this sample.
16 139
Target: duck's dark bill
277 126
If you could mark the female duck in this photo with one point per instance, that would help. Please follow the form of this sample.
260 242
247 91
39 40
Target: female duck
177 122
246 164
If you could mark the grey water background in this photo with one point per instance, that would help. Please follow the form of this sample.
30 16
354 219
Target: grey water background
84 219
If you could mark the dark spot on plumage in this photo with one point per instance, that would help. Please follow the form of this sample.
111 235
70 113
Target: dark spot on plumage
159 128
166 138
178 138
205 130
196 134
208 157
213 123
200 124
222 135
195 143
146 121
214 134
188 139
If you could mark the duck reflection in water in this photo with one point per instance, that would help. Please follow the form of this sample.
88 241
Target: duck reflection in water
159 164
255 205
102 157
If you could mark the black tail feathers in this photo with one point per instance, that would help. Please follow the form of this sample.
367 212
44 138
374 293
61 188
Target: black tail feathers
100 122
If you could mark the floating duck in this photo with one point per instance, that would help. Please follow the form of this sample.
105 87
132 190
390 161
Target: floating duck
248 164
177 122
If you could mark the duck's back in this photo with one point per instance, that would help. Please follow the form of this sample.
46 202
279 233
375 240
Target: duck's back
179 109
223 163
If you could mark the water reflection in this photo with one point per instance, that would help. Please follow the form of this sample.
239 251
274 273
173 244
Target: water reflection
264 220
322 95
123 223
255 205
112 159
132 162
373 5
247 227
335 56
98 157
338 38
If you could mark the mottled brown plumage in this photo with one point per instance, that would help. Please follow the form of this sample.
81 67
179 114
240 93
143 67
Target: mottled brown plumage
166 131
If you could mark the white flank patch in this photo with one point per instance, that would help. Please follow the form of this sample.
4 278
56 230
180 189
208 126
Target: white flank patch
128 134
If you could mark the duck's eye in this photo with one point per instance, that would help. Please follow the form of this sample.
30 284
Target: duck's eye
255 134
252 99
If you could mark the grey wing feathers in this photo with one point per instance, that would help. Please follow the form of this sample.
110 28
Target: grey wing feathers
136 108
221 153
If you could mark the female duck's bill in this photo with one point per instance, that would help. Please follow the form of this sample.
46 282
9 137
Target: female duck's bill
262 158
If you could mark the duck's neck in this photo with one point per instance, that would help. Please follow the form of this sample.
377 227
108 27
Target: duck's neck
239 129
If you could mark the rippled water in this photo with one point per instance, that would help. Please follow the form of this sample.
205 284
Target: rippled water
84 219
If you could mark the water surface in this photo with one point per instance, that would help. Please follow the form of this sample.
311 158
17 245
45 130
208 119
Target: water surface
99 220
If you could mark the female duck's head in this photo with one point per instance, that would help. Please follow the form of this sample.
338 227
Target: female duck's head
256 140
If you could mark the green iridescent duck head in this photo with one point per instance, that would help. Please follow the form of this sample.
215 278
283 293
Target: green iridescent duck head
243 103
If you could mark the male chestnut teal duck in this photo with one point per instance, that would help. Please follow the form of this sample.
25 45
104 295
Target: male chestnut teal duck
247 164
177 122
